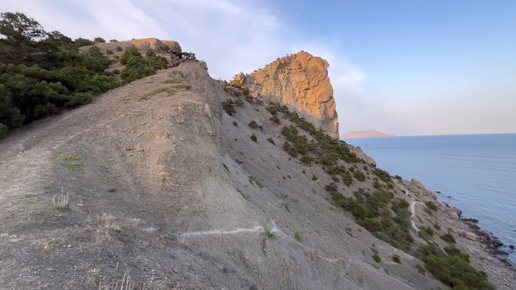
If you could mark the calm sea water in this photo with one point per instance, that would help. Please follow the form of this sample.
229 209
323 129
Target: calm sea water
476 173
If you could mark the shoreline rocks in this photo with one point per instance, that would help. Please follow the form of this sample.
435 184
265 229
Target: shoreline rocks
491 243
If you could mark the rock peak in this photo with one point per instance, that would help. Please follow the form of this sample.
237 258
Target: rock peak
299 81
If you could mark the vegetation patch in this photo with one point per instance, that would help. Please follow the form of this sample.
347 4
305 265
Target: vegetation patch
268 235
454 270
137 66
298 237
285 205
60 201
253 125
229 107
426 232
255 182
371 211
448 237
71 161
431 205
377 257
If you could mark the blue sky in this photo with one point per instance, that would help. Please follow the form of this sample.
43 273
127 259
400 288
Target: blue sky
403 67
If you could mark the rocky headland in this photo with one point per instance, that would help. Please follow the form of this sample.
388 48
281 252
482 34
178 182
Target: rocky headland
300 81
365 134
180 181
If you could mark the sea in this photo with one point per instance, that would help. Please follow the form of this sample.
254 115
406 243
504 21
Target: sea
476 173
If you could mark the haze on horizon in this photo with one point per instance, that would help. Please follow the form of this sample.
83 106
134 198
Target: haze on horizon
401 67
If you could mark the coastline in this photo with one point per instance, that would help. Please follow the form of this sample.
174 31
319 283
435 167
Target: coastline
466 168
490 242
482 255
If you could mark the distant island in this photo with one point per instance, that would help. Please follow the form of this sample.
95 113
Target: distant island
365 134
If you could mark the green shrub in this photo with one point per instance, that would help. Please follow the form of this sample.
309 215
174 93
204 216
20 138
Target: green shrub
271 141
289 149
129 54
426 232
431 205
359 212
377 257
420 269
253 137
401 207
298 237
253 125
119 48
369 224
150 53
235 124
3 131
275 119
314 177
336 169
359 175
42 73
453 270
307 159
109 51
134 70
383 175
99 40
255 182
347 179
272 109
229 107
370 212
396 259
448 237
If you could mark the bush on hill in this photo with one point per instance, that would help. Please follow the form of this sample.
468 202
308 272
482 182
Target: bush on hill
41 73
453 270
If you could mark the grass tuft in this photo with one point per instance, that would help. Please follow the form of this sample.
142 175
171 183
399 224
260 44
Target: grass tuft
61 200
71 161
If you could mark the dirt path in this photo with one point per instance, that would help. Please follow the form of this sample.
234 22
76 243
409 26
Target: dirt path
412 206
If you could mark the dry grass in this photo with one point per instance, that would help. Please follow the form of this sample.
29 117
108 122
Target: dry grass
103 231
168 90
61 200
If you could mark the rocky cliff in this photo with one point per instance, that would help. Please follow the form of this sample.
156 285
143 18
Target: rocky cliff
301 82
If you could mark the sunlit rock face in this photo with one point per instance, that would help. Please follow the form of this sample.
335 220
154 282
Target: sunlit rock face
301 82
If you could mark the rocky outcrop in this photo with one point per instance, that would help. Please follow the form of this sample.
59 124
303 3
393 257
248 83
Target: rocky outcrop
156 44
299 81
143 44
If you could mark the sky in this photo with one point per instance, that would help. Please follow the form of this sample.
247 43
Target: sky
405 67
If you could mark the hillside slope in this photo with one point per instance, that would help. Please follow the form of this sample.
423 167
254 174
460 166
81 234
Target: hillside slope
166 190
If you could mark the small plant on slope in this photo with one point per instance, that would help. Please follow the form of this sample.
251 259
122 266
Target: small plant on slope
61 200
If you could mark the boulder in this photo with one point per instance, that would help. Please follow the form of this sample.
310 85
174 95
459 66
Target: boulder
496 243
